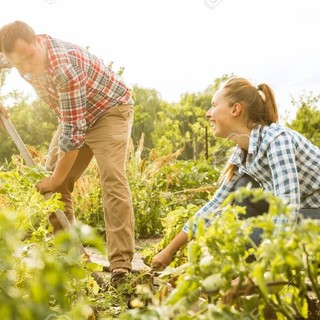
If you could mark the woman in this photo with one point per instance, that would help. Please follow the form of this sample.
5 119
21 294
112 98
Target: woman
267 155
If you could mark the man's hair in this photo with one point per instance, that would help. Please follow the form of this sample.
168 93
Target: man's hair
11 32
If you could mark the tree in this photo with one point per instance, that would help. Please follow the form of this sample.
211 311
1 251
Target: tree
307 120
35 123
184 125
147 103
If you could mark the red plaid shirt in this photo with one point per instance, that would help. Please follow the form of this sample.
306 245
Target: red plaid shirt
78 87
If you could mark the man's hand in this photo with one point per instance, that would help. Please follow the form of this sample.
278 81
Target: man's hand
60 173
4 113
47 184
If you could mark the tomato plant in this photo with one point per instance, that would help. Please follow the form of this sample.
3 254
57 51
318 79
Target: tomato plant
276 283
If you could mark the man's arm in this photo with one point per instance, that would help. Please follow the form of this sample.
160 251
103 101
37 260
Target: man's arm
53 151
63 167
70 82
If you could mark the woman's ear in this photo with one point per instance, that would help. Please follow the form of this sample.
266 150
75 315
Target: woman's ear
236 109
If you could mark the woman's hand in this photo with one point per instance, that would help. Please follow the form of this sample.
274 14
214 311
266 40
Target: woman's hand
162 259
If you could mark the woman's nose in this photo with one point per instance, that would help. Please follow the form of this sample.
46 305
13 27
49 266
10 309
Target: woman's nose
208 114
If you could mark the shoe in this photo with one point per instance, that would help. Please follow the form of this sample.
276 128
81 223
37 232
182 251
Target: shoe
100 281
118 278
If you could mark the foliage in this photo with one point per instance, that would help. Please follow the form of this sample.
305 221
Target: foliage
158 186
169 127
35 131
41 277
163 183
147 103
166 127
87 197
217 281
229 277
17 187
307 120
182 125
172 225
212 278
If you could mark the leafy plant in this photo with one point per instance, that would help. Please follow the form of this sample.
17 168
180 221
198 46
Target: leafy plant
41 277
228 277
164 183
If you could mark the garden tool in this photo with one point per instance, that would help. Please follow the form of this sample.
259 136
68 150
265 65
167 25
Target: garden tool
90 254
30 163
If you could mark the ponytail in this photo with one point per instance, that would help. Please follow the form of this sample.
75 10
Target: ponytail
270 107
259 104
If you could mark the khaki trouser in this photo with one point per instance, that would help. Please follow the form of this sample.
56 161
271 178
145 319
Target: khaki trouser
107 140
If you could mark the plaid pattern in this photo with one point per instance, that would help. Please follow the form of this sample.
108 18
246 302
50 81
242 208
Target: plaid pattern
4 63
283 162
78 87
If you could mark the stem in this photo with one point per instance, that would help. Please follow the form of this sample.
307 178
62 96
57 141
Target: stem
314 284
200 311
282 308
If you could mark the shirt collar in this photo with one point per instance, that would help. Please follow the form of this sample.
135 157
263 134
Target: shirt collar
254 142
237 156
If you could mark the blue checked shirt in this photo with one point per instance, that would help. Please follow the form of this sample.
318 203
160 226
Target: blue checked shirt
282 161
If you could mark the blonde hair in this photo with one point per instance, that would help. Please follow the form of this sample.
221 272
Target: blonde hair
259 104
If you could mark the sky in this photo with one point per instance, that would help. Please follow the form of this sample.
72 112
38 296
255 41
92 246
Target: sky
180 46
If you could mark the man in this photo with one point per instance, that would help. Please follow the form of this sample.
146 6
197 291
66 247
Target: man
95 112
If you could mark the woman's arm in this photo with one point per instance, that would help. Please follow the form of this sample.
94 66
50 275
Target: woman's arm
164 257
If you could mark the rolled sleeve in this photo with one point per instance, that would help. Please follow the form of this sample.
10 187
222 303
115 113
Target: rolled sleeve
72 136
211 206
71 88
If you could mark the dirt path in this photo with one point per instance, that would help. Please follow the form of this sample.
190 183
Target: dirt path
137 262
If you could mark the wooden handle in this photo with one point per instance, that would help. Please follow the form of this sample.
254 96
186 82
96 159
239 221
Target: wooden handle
65 223
17 140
